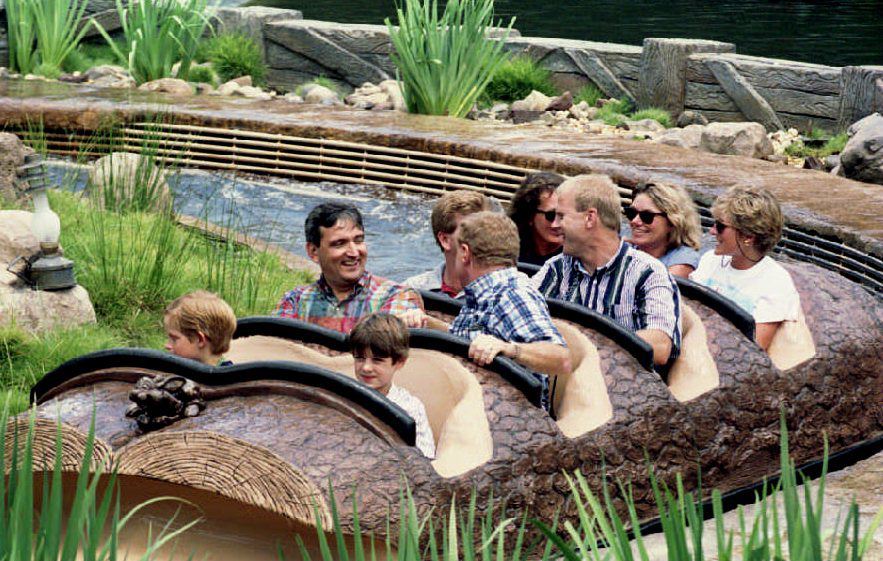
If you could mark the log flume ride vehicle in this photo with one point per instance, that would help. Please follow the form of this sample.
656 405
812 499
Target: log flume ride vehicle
260 442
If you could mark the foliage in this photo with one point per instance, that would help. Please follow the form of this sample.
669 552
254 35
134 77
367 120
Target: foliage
159 34
90 55
680 514
834 145
444 63
661 116
614 112
516 78
41 34
590 93
88 529
233 55
203 74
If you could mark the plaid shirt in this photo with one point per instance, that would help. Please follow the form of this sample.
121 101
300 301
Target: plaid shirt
633 288
316 303
502 303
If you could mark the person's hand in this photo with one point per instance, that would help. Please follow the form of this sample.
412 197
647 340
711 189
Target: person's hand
414 318
485 348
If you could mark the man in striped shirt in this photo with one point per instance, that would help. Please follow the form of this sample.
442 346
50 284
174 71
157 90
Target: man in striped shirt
599 271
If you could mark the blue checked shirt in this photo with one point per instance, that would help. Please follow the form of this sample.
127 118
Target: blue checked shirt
502 303
633 288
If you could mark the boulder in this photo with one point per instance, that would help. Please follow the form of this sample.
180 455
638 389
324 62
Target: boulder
644 125
392 89
520 116
862 157
561 103
109 76
173 86
583 111
244 81
113 180
29 309
536 101
252 92
688 118
292 97
12 155
228 88
320 94
367 101
687 137
736 139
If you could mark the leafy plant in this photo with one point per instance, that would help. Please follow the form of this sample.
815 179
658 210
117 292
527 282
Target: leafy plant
834 145
89 55
444 63
58 31
158 35
233 55
203 74
614 112
21 35
590 93
661 116
517 77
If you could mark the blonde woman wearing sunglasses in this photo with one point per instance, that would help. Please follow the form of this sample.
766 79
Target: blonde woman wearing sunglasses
748 224
665 224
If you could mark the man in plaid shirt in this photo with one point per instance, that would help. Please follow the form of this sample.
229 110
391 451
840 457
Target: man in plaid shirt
345 291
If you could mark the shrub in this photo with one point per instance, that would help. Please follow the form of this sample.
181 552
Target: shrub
614 112
234 55
41 34
590 93
90 55
159 34
516 78
661 116
834 145
203 74
444 63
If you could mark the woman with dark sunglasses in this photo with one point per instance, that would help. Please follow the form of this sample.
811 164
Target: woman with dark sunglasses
665 224
748 224
533 211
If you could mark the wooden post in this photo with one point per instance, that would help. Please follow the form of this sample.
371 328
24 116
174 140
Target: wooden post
860 93
663 81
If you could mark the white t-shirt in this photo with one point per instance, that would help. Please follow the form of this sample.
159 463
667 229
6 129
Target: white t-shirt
414 407
765 291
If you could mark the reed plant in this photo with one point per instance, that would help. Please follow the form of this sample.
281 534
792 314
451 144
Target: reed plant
21 35
158 34
41 34
445 62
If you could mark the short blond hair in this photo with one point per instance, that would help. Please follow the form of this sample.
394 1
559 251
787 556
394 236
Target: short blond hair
203 312
680 210
754 211
492 237
450 205
599 192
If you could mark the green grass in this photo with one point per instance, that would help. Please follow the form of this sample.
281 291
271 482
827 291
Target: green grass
90 55
203 74
661 116
445 62
615 112
42 34
233 55
323 81
516 78
834 145
590 93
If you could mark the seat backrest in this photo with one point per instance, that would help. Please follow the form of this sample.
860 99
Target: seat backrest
792 344
694 372
449 392
580 399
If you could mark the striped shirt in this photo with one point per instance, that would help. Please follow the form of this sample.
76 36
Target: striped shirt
633 288
316 303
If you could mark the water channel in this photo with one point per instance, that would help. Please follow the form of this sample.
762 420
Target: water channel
828 32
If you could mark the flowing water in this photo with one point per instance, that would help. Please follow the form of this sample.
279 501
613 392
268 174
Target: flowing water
829 32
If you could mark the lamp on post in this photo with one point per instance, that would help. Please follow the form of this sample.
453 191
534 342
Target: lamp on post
47 269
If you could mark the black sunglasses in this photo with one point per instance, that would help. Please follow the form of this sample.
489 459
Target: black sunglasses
647 216
720 226
549 215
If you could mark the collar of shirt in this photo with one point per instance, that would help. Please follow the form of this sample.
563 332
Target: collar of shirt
487 280
612 264
363 283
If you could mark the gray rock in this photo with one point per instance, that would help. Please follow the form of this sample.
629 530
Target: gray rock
736 139
250 20
368 101
862 157
227 88
117 174
392 89
832 161
688 118
172 86
320 94
561 103
520 116
251 92
293 98
105 70
687 137
644 125
535 101
12 155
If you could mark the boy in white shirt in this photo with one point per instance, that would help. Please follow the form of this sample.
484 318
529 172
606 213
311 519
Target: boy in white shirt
379 344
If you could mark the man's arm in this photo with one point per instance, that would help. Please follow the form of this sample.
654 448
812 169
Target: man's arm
418 318
764 333
540 356
661 343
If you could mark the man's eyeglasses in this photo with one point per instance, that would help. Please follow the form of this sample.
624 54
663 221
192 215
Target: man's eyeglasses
647 216
549 215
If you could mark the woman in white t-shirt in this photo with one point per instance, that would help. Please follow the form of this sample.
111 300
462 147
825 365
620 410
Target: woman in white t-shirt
747 225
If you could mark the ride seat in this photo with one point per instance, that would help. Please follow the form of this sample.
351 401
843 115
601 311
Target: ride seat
792 344
451 394
694 372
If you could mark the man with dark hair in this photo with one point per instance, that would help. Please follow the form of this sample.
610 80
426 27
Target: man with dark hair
345 291
447 212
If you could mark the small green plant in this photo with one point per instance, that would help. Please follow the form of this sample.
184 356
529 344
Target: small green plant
233 55
323 81
158 35
444 63
590 93
517 77
614 112
90 55
21 35
43 33
661 116
203 74
834 145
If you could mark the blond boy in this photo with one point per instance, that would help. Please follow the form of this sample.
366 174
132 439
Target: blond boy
199 326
